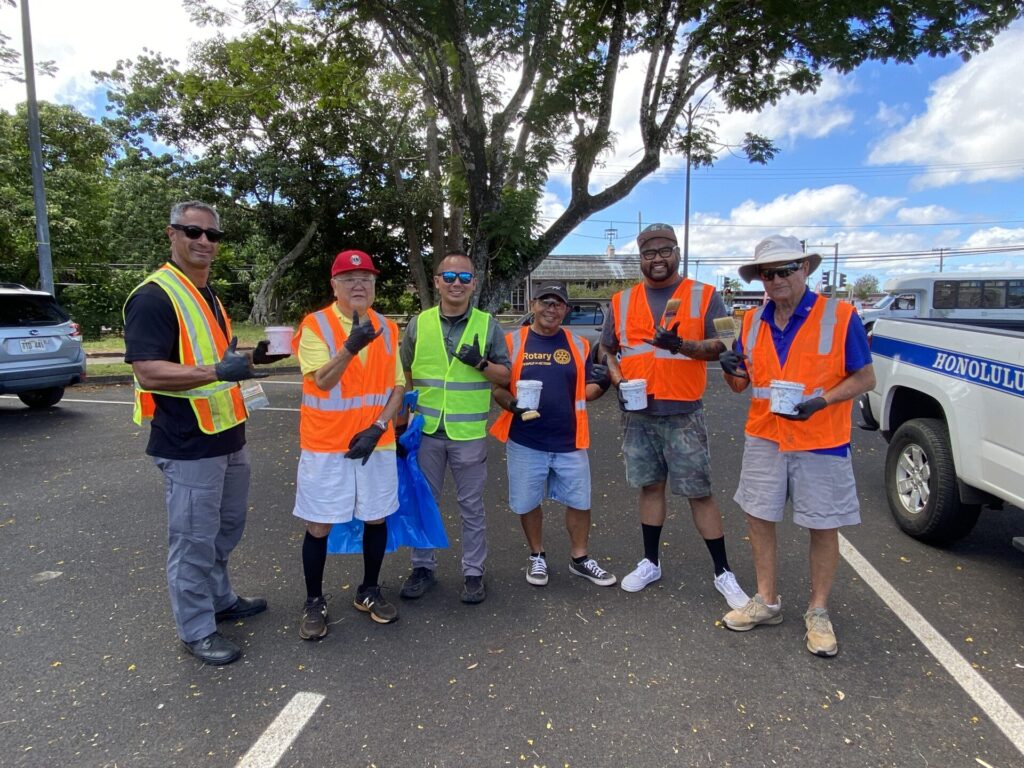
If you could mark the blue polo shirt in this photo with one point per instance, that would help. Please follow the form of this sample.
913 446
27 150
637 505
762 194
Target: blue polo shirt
858 353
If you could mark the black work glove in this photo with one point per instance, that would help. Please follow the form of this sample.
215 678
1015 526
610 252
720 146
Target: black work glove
806 409
363 443
470 355
360 336
599 375
515 410
733 363
235 366
260 356
400 451
667 338
618 393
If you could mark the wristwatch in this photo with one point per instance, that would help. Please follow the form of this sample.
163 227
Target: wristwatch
382 424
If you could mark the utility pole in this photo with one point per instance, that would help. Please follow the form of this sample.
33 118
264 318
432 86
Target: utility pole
942 252
35 148
686 197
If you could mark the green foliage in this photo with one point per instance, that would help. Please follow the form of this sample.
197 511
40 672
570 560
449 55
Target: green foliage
98 302
865 286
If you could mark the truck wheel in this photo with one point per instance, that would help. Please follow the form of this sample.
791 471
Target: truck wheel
920 483
42 398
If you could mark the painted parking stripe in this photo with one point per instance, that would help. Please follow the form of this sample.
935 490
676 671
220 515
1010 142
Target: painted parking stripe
274 742
985 696
131 402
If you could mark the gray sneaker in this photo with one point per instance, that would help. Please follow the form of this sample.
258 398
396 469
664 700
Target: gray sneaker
371 600
590 570
753 613
474 591
420 580
313 625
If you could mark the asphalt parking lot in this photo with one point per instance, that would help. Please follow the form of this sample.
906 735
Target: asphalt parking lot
566 675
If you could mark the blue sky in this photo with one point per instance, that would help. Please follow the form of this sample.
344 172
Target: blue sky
889 161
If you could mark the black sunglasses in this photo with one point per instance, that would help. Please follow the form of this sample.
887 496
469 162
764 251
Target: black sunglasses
767 275
464 277
192 232
665 252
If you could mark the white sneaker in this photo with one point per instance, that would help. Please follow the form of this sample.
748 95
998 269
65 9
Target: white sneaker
537 571
734 594
646 573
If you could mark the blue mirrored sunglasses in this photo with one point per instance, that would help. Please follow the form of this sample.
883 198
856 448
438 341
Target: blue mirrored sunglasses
464 277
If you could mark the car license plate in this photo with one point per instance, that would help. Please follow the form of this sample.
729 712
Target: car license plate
33 345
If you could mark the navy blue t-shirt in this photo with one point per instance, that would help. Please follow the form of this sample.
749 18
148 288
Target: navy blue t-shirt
549 360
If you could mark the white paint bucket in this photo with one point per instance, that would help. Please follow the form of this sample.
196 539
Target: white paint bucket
634 392
785 396
280 338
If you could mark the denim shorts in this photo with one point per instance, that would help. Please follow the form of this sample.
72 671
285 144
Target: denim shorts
673 447
821 487
534 475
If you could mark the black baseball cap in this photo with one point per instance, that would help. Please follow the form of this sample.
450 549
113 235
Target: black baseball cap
552 290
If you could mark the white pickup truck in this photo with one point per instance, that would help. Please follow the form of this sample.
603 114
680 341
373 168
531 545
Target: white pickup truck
949 399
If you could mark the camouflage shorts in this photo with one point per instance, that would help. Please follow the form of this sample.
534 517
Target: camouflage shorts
676 447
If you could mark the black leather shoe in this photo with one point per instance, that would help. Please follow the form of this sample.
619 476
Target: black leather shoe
214 649
243 608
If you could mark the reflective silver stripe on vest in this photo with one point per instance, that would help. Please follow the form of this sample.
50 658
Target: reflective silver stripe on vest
327 334
516 343
828 327
428 383
206 391
426 411
623 304
383 323
755 326
696 295
639 349
466 386
345 403
453 417
581 405
761 393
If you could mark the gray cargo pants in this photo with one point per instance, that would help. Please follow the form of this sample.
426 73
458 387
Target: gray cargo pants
468 460
206 505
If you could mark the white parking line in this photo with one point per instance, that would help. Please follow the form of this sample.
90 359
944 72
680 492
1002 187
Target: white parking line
271 746
984 695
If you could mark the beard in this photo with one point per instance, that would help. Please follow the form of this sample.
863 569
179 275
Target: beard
658 270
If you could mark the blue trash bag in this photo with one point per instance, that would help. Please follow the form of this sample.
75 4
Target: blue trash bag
416 523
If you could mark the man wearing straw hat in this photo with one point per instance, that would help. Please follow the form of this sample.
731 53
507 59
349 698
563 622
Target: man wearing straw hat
798 450
663 332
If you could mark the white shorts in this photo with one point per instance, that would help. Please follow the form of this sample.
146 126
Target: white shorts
820 487
333 489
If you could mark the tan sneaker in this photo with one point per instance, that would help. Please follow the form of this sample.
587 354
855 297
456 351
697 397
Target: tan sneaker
755 612
821 638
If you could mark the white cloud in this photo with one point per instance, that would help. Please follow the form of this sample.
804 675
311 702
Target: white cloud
85 36
838 202
550 207
891 115
924 214
995 237
973 127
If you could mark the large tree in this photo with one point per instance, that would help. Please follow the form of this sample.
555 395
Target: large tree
523 86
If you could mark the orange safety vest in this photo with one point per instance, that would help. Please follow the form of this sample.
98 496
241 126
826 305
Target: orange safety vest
218 406
328 419
580 348
668 376
817 359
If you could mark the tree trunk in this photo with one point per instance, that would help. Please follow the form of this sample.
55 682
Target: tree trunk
264 310
412 237
438 248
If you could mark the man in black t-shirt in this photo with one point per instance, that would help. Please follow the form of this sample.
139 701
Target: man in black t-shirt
185 381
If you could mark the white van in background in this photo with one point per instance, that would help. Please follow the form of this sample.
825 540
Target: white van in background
982 298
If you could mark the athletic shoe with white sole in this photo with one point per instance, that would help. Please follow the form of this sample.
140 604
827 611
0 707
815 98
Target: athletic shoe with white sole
646 573
537 570
821 638
755 612
726 583
589 569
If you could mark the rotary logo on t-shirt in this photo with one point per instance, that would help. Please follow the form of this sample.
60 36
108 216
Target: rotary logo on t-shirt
560 356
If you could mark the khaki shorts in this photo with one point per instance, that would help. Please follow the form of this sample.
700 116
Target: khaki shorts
672 447
821 487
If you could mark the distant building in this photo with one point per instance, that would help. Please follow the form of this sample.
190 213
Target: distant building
593 274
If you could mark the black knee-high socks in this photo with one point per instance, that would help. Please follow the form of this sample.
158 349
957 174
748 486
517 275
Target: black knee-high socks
314 557
375 539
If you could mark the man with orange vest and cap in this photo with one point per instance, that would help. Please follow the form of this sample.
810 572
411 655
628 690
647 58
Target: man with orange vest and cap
797 447
662 331
352 387
547 456
178 341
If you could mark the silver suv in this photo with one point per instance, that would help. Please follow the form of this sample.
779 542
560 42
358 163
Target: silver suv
40 347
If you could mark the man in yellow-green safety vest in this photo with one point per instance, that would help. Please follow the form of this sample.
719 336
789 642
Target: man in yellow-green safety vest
452 354
179 343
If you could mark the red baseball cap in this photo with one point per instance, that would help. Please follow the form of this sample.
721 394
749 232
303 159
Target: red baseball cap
347 261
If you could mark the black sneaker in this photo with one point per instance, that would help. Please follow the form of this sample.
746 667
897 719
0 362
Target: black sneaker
419 581
371 600
474 591
590 570
313 625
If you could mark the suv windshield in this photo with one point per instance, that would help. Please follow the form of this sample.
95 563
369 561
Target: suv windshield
22 310
884 302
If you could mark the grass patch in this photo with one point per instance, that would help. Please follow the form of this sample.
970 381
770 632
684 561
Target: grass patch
248 336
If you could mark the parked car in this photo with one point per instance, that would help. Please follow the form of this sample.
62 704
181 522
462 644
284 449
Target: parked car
585 318
40 347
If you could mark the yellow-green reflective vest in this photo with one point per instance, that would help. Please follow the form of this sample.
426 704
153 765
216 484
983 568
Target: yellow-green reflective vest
218 406
450 390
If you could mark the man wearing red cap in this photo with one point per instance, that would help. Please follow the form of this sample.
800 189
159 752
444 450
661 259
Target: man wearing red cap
352 387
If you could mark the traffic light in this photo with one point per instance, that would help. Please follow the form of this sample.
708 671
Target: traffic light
825 275
842 279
